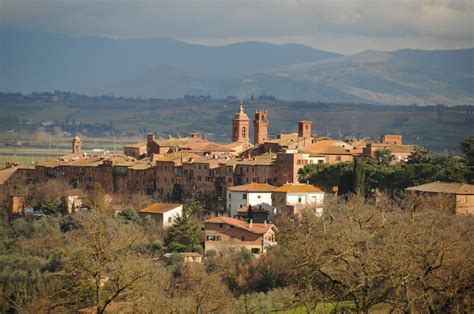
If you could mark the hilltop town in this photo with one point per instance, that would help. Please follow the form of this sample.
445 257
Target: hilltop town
244 216
194 167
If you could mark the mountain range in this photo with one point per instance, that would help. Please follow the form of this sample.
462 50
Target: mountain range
168 68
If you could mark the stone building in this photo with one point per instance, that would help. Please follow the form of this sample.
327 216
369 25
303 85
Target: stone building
458 196
394 143
225 233
260 127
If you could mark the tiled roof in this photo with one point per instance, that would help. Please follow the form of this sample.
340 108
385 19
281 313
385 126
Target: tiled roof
159 208
394 148
298 188
135 145
256 228
252 187
329 147
444 187
6 173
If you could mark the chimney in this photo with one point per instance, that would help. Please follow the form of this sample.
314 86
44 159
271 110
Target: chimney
265 222
251 223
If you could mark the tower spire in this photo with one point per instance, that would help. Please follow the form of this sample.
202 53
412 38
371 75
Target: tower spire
241 104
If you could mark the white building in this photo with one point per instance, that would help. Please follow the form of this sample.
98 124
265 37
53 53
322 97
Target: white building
296 196
164 213
249 194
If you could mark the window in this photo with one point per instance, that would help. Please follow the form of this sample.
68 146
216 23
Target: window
255 250
299 199
170 219
243 238
230 194
221 225
244 196
211 238
258 196
244 132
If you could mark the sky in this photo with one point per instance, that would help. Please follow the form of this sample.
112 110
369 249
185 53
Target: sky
343 26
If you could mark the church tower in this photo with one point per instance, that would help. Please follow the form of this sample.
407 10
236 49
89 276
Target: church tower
76 145
240 126
260 127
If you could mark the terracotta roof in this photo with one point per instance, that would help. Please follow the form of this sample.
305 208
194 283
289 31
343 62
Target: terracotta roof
298 188
256 228
329 147
444 187
191 254
135 145
6 173
252 187
394 148
159 208
176 157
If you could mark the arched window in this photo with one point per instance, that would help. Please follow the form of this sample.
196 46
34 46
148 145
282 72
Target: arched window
243 132
236 132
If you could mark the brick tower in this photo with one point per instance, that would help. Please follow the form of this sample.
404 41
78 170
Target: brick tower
240 126
76 145
304 129
260 127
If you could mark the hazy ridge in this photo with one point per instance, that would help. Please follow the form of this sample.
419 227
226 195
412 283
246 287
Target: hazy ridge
167 68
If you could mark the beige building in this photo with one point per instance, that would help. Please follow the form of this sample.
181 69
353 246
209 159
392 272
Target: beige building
460 196
294 197
225 233
251 194
164 213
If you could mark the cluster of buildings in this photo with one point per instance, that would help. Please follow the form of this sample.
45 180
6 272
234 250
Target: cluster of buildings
252 182
193 167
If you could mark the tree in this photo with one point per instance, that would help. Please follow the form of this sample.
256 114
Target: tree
206 293
101 261
419 156
184 235
177 193
358 176
128 214
383 156
467 147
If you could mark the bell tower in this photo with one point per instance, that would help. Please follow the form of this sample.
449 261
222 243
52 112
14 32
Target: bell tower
260 127
304 129
240 126
76 145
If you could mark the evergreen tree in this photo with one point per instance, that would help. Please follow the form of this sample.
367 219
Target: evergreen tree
359 177
184 235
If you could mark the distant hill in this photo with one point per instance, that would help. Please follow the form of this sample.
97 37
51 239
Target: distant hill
168 68
400 77
45 61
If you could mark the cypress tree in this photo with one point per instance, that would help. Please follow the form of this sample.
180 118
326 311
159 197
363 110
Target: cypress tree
358 175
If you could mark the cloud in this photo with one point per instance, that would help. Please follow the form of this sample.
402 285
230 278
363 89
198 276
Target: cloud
377 24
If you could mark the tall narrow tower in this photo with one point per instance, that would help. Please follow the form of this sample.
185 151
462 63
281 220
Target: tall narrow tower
260 127
240 126
76 145
304 129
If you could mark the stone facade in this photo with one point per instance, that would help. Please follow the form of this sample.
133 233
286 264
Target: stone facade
260 127
225 233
